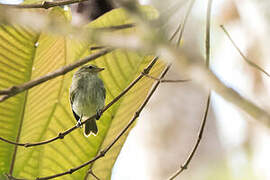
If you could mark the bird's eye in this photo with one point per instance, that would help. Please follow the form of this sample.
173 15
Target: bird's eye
90 67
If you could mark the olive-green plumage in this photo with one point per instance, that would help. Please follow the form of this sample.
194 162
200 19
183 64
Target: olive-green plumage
87 96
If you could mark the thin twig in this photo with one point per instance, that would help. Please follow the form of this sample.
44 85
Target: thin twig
243 56
117 27
96 47
93 174
167 80
103 152
200 134
61 135
10 177
185 21
203 122
7 93
207 33
43 4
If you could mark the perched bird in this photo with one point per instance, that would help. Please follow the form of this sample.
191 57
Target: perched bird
87 97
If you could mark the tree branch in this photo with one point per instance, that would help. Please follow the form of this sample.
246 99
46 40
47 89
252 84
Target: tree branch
10 177
203 122
117 27
12 91
194 149
103 152
43 4
185 21
167 80
243 56
93 174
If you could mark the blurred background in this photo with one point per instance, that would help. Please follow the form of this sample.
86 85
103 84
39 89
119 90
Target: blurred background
234 147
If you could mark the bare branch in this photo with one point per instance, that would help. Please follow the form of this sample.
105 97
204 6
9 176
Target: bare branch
96 47
243 56
194 149
103 152
185 21
201 129
43 4
12 91
166 80
93 174
117 27
10 177
207 33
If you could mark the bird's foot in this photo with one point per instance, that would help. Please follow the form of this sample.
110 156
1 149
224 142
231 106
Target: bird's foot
99 113
79 123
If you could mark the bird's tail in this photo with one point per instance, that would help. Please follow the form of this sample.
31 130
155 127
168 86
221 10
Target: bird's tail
90 128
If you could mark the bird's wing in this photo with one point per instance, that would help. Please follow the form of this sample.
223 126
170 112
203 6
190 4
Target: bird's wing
72 95
71 98
103 92
76 115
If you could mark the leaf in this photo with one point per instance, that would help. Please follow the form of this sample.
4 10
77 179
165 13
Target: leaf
17 51
44 111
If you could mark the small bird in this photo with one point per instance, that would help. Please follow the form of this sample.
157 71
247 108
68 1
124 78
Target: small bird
87 97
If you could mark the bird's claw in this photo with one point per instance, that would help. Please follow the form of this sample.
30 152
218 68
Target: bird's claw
79 123
99 113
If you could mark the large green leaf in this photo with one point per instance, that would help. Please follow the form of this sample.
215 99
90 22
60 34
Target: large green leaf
44 111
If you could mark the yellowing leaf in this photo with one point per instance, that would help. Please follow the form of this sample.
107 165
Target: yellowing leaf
44 111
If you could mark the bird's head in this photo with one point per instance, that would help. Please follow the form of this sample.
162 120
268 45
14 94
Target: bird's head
92 69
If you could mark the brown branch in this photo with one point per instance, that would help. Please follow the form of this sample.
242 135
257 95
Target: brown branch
96 47
10 177
93 174
61 135
103 152
201 129
243 56
7 93
43 4
207 33
117 27
194 149
185 21
167 80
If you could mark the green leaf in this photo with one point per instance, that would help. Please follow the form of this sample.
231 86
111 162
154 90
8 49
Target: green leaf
44 111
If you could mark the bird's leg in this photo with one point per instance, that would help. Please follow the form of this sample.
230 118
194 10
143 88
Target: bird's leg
79 123
99 113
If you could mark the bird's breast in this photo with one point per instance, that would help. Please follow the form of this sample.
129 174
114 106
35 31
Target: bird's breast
88 98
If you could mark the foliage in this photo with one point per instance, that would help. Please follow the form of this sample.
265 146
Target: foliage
43 111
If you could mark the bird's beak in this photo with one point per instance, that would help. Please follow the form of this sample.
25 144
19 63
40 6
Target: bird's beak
100 69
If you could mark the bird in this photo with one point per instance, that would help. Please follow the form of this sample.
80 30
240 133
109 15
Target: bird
87 97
